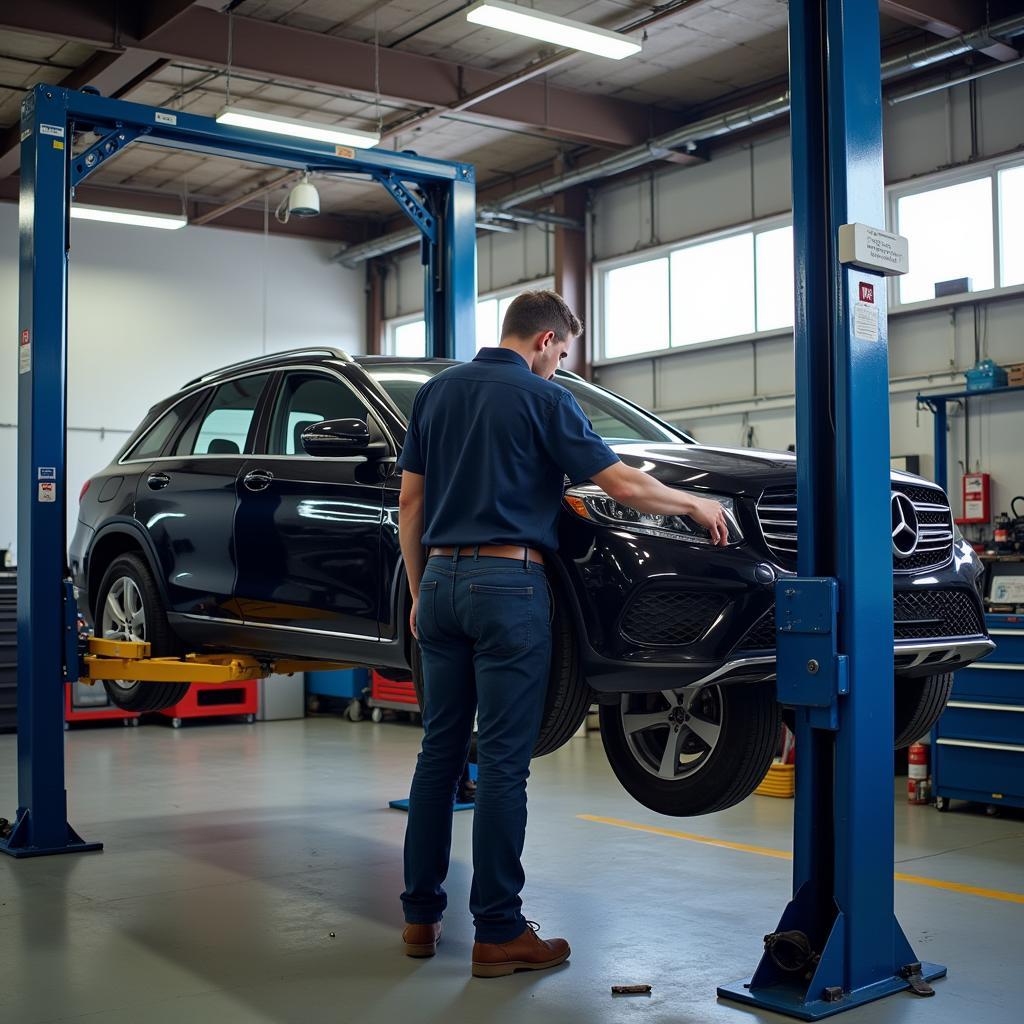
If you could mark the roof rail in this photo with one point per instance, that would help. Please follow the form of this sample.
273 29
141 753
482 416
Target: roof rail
272 359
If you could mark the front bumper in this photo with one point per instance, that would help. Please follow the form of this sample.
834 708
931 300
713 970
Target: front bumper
730 591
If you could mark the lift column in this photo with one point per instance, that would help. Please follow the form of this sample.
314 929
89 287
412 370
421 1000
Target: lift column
44 633
838 944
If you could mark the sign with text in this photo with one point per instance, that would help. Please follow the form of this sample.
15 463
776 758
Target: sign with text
873 249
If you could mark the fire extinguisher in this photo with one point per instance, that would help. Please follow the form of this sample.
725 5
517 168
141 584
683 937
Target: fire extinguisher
918 787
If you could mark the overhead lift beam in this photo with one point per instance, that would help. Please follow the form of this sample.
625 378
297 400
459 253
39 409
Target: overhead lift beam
52 118
838 944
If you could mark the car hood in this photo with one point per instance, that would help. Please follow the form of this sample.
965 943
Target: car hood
734 471
738 471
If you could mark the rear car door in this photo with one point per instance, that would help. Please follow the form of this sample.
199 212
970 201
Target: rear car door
307 531
186 499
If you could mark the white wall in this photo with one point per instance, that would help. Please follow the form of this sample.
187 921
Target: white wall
149 310
701 388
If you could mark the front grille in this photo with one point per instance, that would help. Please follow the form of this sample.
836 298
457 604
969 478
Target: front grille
923 614
917 614
662 617
776 512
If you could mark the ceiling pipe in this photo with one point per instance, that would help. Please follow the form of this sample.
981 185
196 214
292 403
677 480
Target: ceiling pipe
689 135
902 97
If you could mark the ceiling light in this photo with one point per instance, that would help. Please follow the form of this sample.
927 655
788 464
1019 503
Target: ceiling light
297 129
550 28
167 221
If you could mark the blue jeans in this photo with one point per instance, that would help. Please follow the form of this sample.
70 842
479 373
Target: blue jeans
485 633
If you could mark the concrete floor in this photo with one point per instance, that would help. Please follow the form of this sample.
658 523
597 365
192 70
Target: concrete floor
233 851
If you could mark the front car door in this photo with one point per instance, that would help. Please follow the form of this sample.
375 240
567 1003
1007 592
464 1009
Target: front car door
307 531
186 499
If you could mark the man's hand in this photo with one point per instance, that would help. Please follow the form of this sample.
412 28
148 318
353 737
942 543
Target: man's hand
711 515
412 617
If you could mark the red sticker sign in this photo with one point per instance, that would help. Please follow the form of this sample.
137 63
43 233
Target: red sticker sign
867 292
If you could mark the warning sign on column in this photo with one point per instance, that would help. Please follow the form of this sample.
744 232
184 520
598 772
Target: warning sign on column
24 352
47 492
865 321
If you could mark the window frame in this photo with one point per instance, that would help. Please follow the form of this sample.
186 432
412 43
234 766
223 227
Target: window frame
601 267
388 341
990 167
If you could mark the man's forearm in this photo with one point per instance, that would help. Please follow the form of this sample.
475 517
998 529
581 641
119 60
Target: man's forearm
410 537
649 495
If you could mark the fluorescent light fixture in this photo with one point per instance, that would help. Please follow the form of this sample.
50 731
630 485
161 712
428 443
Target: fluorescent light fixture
525 21
167 221
297 129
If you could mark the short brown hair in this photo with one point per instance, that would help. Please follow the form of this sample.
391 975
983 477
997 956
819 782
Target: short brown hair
532 313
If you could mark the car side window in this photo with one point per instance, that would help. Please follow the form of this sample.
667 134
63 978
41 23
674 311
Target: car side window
305 399
151 444
223 426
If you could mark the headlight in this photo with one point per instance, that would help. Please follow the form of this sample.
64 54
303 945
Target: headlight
589 502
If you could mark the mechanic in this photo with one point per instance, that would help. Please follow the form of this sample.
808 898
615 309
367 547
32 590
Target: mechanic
489 445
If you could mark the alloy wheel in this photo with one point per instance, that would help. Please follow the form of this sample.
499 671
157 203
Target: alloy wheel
672 735
124 617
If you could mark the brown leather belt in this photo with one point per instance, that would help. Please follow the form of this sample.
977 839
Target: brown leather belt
492 551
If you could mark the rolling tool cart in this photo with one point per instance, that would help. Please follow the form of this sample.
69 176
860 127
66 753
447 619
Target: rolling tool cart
215 700
391 695
349 685
84 702
978 743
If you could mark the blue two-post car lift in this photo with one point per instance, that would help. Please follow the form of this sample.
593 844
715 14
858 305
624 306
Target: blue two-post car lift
838 944
439 197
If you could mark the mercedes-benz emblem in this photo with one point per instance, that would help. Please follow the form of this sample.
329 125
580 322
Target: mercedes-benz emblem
904 525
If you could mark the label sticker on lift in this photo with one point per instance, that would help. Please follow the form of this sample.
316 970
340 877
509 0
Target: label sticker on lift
47 472
47 492
865 321
24 353
163 118
52 129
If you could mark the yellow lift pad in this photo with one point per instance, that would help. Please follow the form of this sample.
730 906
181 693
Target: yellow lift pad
131 660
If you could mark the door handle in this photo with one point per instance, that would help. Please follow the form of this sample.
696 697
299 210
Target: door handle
258 479
158 481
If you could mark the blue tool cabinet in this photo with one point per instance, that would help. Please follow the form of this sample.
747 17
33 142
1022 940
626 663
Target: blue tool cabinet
978 743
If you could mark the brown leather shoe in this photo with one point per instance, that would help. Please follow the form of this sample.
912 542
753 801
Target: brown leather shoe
421 939
526 952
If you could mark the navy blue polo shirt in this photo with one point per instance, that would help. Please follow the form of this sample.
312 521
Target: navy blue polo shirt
494 443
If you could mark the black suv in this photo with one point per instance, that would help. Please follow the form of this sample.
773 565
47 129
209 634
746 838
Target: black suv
256 510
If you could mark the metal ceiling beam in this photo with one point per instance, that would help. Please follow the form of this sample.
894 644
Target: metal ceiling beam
113 70
269 49
949 18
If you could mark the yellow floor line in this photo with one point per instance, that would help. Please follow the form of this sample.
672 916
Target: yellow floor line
765 851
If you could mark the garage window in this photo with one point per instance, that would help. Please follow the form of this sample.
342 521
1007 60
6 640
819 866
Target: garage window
1011 220
950 232
713 290
636 308
305 399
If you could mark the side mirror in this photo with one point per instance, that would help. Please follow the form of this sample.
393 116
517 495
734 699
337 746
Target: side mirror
336 438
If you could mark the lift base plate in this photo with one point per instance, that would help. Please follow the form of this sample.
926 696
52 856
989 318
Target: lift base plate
793 1002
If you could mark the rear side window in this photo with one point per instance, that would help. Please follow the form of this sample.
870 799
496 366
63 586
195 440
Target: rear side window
223 426
305 399
152 442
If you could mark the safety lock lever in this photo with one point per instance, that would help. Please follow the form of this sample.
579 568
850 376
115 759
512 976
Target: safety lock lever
911 973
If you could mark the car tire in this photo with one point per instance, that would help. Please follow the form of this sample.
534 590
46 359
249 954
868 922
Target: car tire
129 578
919 703
744 721
568 697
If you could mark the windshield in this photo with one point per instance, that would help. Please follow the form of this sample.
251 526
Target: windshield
613 419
